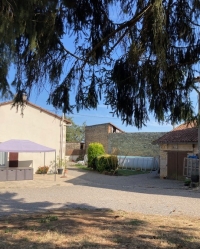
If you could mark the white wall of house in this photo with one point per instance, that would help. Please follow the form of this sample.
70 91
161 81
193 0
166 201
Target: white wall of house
71 158
35 125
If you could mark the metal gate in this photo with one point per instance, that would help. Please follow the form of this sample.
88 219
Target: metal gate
190 166
175 160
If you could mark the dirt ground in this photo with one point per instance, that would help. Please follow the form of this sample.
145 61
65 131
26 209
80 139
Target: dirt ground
97 229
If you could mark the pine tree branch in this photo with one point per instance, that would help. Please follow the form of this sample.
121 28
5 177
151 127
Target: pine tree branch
118 41
128 24
68 52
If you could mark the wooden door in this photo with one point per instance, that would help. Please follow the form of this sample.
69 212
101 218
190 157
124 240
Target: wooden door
175 161
172 165
13 159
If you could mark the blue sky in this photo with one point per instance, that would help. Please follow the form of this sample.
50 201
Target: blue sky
91 117
102 113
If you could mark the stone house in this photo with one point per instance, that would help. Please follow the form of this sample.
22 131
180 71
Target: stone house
174 147
99 133
116 141
35 124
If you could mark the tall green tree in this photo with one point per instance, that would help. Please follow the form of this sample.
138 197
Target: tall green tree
140 56
75 133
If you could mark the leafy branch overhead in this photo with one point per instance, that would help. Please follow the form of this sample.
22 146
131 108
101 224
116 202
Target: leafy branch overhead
141 57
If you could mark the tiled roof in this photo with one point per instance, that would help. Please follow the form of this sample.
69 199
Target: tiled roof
184 133
185 126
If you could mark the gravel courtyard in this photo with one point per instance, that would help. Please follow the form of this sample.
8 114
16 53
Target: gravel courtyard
83 189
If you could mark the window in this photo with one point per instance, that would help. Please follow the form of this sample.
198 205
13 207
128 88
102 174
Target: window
81 146
3 156
114 130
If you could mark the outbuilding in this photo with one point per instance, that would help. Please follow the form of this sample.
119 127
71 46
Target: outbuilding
176 145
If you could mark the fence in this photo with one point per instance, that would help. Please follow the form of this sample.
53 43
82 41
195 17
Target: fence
141 163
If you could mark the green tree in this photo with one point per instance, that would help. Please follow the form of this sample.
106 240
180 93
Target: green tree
75 133
140 55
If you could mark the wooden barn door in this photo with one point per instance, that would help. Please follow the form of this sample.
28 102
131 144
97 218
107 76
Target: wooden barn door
175 164
172 165
13 159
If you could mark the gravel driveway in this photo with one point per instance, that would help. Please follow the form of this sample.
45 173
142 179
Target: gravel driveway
82 189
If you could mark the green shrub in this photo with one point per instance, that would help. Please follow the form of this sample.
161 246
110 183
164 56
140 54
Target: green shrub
106 163
42 170
80 158
187 182
94 150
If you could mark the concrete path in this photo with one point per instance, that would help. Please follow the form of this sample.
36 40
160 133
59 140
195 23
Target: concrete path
83 189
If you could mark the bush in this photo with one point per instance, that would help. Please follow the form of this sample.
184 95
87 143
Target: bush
187 182
94 150
42 170
106 163
80 158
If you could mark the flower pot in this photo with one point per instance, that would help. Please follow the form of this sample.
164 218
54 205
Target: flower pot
60 171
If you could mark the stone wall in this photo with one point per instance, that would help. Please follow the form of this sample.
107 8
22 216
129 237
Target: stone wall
163 163
77 146
134 144
74 150
97 134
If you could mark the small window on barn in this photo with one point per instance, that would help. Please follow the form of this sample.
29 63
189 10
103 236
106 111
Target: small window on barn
81 146
114 130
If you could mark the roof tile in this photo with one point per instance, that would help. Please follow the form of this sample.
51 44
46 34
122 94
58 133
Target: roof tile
184 133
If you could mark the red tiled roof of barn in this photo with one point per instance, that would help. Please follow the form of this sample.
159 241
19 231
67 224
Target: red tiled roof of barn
184 133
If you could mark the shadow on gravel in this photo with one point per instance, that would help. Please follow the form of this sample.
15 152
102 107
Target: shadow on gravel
149 183
9 204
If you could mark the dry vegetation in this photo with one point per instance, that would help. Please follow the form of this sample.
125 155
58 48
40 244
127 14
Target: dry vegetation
98 229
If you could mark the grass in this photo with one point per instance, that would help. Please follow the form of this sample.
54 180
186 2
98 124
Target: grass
80 166
128 172
120 172
89 229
